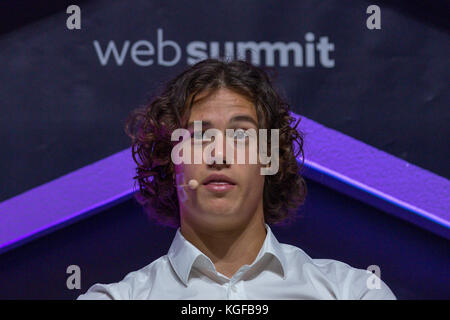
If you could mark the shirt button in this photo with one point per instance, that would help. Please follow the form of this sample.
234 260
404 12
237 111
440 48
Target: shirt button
233 288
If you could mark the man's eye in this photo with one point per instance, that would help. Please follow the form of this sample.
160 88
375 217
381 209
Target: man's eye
197 135
240 134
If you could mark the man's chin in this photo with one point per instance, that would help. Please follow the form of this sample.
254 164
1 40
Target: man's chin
208 194
223 204
222 222
220 211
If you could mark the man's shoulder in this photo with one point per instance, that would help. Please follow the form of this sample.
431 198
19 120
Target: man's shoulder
349 282
149 271
327 266
134 285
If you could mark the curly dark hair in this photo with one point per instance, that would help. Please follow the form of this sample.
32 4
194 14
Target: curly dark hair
150 128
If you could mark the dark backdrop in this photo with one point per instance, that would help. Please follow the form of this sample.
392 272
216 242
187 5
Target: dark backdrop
61 109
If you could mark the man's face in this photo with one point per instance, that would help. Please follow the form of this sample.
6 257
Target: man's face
215 205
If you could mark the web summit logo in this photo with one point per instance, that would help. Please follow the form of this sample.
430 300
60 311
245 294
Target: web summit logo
168 52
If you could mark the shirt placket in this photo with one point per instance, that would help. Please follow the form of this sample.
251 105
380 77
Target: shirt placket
235 286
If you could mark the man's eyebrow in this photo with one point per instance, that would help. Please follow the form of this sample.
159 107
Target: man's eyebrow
206 124
244 118
238 118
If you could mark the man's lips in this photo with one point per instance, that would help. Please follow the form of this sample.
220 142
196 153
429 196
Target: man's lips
219 186
218 179
218 183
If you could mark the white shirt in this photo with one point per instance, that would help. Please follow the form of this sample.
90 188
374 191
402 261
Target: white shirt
280 271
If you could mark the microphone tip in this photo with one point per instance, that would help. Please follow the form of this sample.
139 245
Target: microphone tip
193 184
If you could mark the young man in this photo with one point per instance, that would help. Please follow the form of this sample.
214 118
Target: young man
224 247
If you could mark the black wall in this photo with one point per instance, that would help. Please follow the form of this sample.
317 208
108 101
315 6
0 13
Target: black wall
60 109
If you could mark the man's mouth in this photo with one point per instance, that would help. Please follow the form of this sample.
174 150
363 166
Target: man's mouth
219 183
219 186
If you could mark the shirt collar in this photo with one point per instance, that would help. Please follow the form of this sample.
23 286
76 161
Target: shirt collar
183 255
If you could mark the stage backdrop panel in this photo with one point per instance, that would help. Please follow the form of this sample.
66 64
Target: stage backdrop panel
64 93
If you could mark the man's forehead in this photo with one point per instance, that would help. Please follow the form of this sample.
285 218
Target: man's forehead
224 105
224 113
224 97
222 110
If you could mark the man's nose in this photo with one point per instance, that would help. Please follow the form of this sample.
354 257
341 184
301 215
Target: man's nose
221 152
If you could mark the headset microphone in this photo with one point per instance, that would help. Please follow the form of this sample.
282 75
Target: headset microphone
193 185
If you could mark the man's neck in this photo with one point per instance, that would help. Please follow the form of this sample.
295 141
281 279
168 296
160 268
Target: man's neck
230 249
